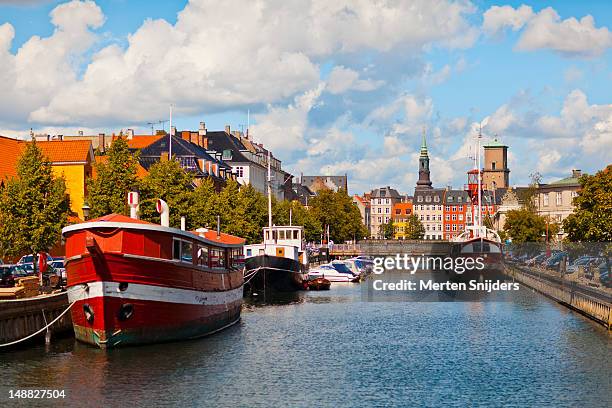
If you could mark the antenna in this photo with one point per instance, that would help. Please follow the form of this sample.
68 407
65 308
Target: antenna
170 144
152 130
269 194
248 122
163 123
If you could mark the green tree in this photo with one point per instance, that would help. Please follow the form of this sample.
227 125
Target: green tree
108 191
204 200
524 225
168 181
254 206
299 216
337 210
414 229
33 207
529 196
592 216
387 229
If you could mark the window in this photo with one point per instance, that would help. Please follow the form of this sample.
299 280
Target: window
420 199
240 171
176 249
450 199
447 217
398 211
387 210
454 217
186 247
217 258
447 227
493 165
203 256
454 208
379 220
380 210
422 218
428 199
545 199
436 199
439 217
460 217
559 198
454 227
447 208
236 258
574 194
249 252
427 217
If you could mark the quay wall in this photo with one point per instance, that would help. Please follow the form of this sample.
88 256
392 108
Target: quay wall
592 304
392 247
22 317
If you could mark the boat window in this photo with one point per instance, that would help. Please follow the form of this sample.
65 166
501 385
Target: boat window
186 247
467 249
296 234
274 235
217 258
176 249
281 234
267 235
236 258
203 257
249 252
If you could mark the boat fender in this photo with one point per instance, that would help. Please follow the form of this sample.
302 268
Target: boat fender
89 314
122 287
126 311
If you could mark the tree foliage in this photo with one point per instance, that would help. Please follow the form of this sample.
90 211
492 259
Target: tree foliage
386 230
592 216
524 225
34 207
168 181
414 229
299 216
115 178
337 210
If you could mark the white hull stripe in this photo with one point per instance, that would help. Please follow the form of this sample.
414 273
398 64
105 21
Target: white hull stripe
153 293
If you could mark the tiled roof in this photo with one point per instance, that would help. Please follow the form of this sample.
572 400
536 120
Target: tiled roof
11 151
141 172
66 151
568 181
140 141
495 143
385 192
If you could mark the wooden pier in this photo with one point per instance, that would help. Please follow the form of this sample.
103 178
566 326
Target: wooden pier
22 317
589 302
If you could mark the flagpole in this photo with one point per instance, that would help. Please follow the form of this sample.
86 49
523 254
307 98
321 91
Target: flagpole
170 144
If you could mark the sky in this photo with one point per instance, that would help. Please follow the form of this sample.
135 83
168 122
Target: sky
331 87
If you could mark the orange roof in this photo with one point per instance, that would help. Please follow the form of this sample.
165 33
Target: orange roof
66 151
141 172
119 218
140 141
11 151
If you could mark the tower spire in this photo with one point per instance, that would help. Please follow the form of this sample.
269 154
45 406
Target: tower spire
424 182
424 144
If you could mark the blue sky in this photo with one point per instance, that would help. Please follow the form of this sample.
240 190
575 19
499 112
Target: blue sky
343 95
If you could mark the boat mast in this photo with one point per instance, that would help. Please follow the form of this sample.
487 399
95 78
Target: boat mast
170 143
269 194
479 183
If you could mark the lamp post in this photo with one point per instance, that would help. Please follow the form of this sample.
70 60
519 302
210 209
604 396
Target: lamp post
86 210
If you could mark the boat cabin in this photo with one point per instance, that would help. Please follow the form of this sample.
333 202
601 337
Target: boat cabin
283 241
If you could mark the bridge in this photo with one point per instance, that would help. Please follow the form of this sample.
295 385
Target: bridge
390 247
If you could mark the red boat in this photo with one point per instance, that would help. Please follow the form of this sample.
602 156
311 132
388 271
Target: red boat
136 282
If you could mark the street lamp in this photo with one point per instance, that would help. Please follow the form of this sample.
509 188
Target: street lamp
86 210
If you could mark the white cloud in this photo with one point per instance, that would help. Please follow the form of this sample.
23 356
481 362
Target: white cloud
342 79
546 30
218 55
497 18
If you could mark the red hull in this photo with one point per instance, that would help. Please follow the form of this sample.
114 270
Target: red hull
129 288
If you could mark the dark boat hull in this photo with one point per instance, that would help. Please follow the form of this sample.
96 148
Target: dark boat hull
274 274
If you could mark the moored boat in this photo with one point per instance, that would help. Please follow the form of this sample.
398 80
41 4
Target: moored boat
319 284
136 282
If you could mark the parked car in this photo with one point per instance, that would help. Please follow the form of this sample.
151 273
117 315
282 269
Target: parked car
7 280
584 262
536 259
555 260
60 268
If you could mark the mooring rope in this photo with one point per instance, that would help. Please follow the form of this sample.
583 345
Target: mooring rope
44 328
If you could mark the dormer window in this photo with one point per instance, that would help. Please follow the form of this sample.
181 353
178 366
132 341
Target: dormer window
436 199
428 199
227 155
420 199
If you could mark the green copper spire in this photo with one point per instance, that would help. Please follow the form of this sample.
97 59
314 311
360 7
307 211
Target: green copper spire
424 145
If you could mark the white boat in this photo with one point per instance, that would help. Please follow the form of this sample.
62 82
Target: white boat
336 271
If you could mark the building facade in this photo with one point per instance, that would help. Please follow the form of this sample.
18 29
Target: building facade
316 183
429 208
496 173
556 199
400 213
456 208
382 201
363 204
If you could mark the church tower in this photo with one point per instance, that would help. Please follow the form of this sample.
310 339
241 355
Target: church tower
424 183
496 173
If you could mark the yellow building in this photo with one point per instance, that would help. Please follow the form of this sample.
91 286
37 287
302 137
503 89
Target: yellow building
72 159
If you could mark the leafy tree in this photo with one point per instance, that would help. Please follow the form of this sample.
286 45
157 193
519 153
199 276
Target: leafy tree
299 216
254 206
33 207
168 181
108 191
387 230
524 225
414 229
529 196
592 216
203 210
337 210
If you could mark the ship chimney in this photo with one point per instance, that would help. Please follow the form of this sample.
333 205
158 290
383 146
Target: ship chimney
133 203
202 232
164 211
218 226
183 223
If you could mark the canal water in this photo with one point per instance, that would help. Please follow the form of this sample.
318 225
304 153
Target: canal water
332 349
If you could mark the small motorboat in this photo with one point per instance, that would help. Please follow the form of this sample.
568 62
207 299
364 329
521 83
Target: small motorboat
335 271
319 284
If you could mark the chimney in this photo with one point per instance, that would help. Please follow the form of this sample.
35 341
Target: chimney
60 137
576 173
202 129
173 130
130 134
204 142
163 156
80 133
101 142
228 129
193 137
186 135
